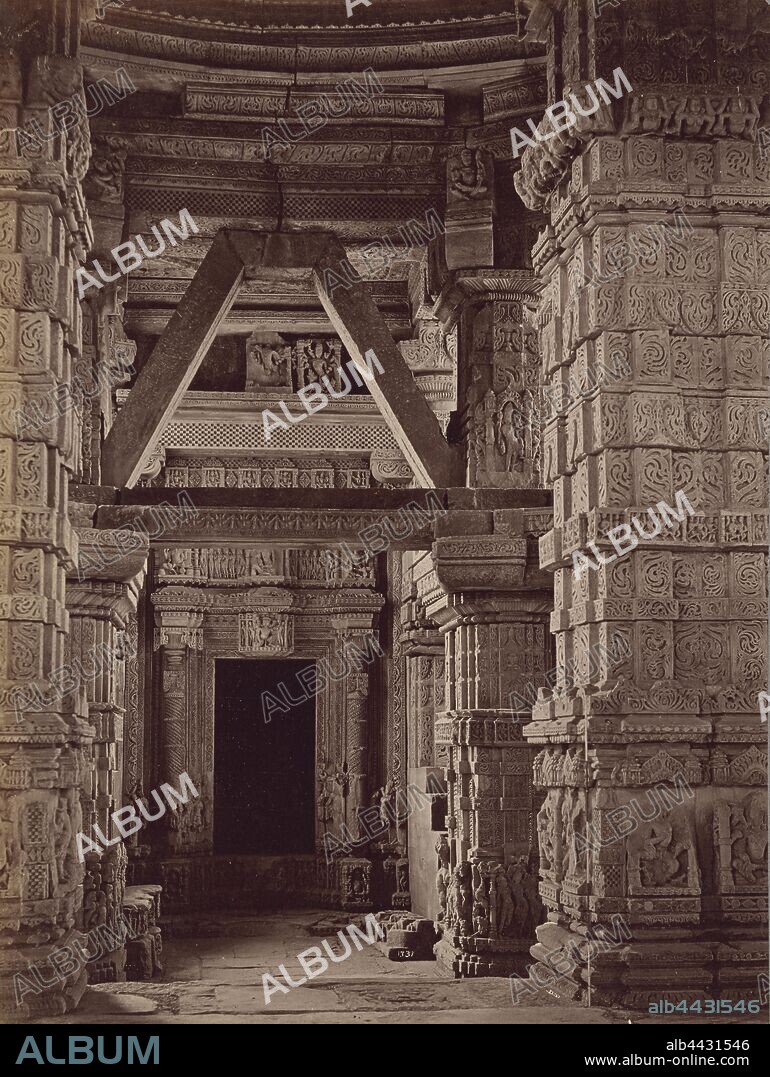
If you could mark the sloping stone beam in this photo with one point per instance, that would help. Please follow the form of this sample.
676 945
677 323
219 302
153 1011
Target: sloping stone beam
172 365
233 257
361 327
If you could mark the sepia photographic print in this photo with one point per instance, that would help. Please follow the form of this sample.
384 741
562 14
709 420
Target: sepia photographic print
384 430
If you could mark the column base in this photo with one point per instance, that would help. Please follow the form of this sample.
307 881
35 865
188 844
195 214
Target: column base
31 987
144 951
470 956
649 970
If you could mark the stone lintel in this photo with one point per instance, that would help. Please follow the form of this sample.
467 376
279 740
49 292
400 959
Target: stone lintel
314 517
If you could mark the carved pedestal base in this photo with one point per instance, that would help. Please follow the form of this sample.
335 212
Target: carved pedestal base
57 993
141 909
470 956
407 937
669 965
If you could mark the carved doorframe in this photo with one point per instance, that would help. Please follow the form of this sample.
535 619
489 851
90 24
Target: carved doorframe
316 626
328 736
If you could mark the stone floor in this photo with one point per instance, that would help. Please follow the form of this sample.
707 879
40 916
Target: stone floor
214 969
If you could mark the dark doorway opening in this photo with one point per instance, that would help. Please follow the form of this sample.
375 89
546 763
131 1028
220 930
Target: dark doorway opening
264 772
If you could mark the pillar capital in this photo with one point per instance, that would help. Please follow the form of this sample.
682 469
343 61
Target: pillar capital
494 551
480 563
468 288
111 556
177 630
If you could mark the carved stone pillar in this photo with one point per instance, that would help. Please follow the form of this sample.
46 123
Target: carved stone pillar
683 303
355 872
352 633
177 635
494 617
424 650
97 651
499 377
44 742
356 739
106 363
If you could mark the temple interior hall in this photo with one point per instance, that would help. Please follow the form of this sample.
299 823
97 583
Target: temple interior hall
384 426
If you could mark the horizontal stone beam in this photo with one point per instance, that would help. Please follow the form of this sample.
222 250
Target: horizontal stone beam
297 527
314 517
374 499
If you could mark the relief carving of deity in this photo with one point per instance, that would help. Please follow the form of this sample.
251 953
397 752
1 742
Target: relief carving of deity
265 633
661 854
319 359
748 839
468 176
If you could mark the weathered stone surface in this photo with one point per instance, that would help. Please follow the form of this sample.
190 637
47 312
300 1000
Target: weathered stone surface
649 294
569 337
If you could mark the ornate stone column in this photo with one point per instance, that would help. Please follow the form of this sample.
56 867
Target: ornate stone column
426 683
683 304
99 610
494 617
499 399
44 744
178 635
106 363
355 872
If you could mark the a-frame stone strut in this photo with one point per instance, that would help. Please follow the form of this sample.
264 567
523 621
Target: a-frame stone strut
236 256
